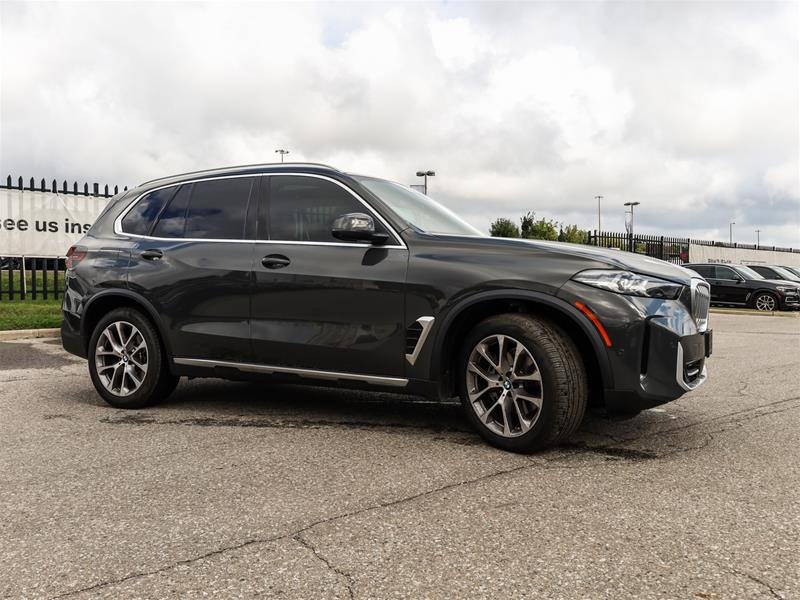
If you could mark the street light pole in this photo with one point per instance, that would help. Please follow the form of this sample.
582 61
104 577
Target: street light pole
730 232
425 175
282 152
758 238
597 240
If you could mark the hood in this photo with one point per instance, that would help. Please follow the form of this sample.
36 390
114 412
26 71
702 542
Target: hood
620 259
782 282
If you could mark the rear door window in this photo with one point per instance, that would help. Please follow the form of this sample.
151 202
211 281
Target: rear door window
704 271
218 209
208 210
172 221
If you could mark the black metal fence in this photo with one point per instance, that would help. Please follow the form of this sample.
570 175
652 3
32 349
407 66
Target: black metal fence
35 278
31 278
671 249
65 188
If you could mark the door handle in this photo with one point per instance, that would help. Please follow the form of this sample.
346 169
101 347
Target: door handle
275 261
152 254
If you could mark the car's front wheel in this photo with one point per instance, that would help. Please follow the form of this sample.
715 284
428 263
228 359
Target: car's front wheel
126 361
522 382
765 302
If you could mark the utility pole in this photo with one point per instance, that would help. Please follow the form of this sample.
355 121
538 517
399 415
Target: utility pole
758 238
598 198
282 152
425 174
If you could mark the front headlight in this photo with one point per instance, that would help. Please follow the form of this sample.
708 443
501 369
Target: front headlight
786 288
632 284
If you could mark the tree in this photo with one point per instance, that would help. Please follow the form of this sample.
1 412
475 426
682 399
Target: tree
538 229
504 228
571 233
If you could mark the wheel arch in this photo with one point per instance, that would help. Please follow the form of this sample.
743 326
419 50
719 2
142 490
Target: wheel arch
104 302
470 311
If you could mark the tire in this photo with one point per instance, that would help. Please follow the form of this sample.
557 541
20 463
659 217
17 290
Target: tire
541 413
118 385
765 302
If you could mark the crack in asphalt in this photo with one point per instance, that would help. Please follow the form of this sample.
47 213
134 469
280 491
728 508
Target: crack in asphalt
753 578
294 534
348 579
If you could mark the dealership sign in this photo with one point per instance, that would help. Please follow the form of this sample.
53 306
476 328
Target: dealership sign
36 223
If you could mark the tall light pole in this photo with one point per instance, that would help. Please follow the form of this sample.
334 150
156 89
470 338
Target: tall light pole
425 174
598 198
632 204
730 232
282 152
758 238
631 245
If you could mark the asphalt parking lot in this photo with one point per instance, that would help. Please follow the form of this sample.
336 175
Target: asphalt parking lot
243 490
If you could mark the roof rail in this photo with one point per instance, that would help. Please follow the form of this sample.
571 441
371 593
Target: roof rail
218 169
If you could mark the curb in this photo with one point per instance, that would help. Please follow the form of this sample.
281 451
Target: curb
23 334
753 313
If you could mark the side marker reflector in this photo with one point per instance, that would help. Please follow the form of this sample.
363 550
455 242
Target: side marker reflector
595 321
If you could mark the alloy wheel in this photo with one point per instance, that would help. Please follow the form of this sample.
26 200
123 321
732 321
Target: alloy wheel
121 358
504 385
765 302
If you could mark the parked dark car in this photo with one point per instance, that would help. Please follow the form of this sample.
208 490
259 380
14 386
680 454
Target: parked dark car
740 285
303 272
795 270
776 273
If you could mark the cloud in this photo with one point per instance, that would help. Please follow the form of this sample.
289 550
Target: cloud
689 108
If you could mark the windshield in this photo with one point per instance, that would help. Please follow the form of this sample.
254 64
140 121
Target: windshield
787 274
420 211
747 272
794 270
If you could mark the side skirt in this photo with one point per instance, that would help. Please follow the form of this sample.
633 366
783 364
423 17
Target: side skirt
377 380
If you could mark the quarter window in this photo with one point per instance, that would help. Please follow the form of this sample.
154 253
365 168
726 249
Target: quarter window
302 209
141 217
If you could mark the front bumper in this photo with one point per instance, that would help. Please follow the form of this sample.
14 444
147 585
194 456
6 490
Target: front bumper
790 301
658 352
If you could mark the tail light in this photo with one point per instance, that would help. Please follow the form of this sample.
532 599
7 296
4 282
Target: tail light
75 254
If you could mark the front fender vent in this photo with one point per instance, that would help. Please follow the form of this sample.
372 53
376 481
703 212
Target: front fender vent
416 333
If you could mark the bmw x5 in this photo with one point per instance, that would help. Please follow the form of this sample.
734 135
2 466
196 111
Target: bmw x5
301 272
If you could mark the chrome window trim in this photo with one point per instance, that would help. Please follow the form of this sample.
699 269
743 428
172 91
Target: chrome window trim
426 323
311 373
119 231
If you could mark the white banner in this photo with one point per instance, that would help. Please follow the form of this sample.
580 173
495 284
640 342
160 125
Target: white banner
718 254
43 223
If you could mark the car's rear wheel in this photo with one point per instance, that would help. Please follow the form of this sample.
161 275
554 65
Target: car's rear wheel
126 361
522 382
765 302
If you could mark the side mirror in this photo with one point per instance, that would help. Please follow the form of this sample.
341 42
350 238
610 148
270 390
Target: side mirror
357 227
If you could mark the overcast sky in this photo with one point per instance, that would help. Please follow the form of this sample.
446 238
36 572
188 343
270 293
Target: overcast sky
689 108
